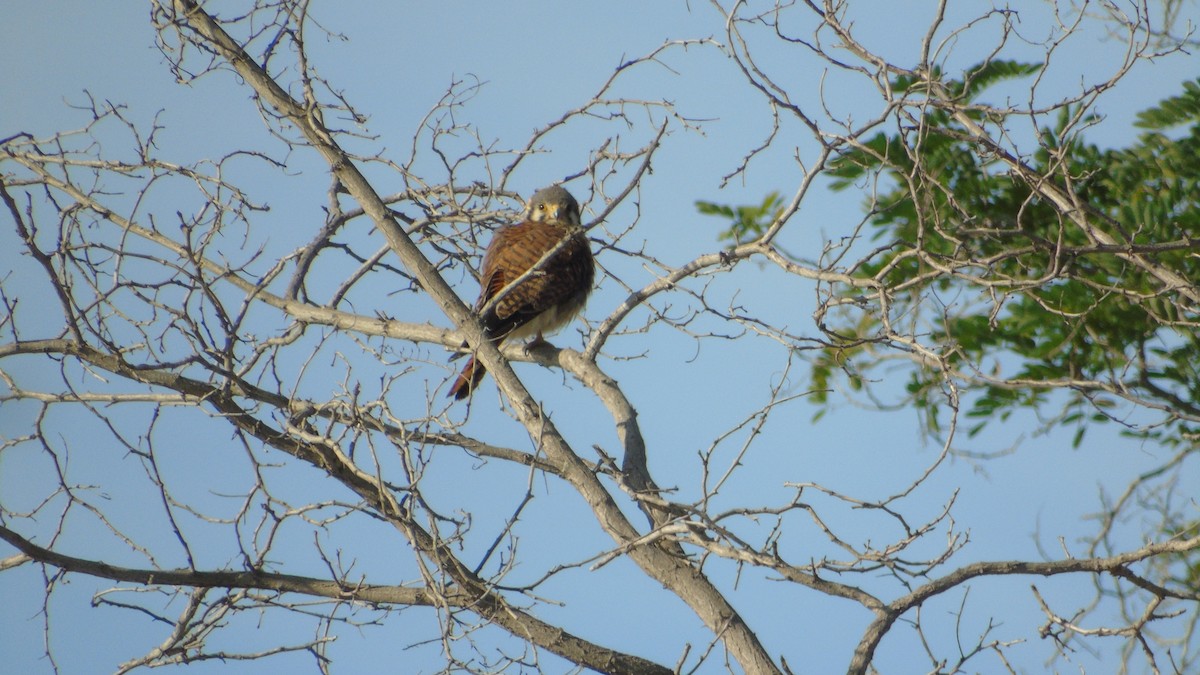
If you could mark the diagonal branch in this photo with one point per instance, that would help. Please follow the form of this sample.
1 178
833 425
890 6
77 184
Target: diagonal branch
589 654
675 573
471 592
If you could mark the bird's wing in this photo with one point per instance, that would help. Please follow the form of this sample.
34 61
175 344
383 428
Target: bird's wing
513 251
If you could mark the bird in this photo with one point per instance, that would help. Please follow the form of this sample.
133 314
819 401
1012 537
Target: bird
542 301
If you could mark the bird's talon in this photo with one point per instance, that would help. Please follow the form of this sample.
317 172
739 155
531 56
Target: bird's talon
537 343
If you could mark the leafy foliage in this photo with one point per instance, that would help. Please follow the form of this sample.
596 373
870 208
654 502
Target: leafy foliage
748 221
1026 301
1181 109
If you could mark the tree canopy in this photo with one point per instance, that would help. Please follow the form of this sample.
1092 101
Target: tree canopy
890 366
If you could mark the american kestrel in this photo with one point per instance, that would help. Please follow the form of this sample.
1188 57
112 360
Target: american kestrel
546 299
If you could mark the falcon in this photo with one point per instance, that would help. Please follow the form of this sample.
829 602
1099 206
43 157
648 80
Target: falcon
549 258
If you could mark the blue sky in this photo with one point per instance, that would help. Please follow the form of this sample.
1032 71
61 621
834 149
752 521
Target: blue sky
536 60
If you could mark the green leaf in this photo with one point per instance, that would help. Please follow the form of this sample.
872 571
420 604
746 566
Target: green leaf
986 74
1173 111
748 221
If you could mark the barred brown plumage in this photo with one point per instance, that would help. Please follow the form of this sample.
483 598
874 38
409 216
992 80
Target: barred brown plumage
539 302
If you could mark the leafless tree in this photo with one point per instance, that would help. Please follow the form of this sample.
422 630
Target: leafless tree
229 424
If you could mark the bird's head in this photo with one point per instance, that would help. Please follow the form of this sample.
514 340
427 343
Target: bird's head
554 204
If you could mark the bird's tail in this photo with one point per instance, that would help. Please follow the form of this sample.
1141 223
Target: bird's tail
467 380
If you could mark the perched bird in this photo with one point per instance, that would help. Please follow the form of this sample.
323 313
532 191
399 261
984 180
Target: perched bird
544 300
